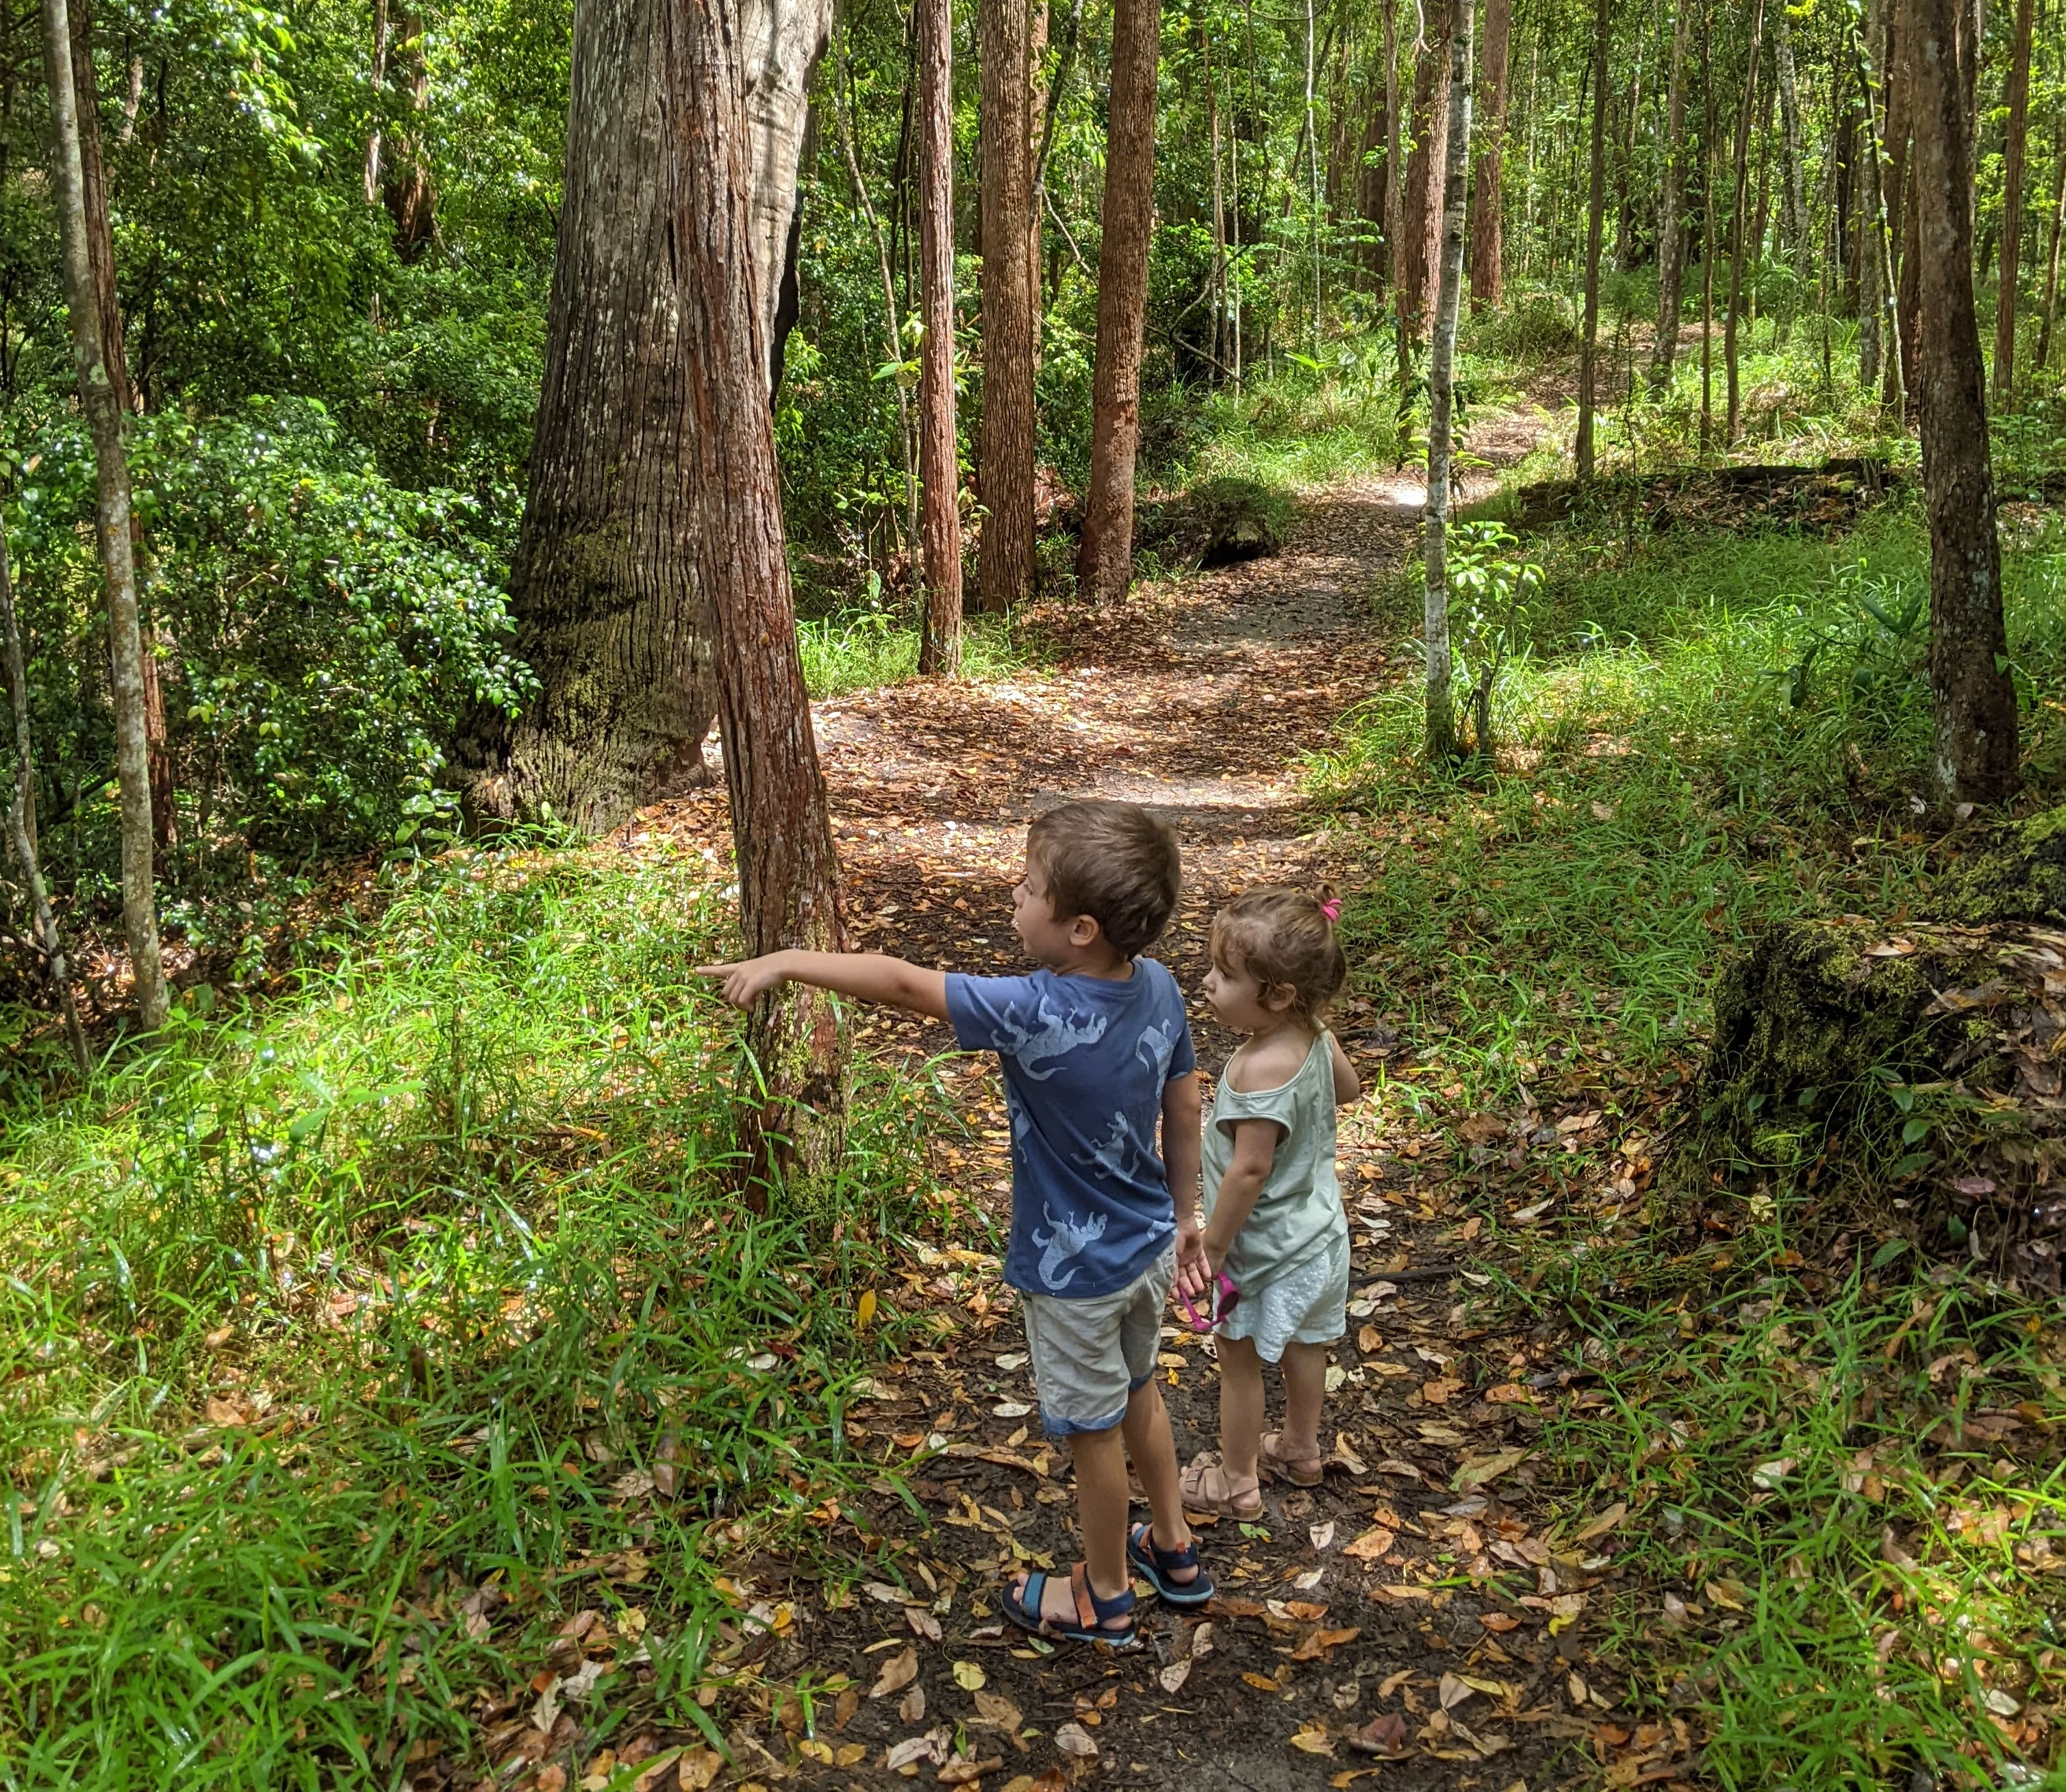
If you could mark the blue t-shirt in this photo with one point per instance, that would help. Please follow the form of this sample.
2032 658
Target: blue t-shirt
1085 1059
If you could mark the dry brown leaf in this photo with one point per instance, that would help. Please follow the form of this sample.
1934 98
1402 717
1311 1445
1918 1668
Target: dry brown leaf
1073 1739
1383 1735
898 1673
1374 1545
995 1708
1313 1739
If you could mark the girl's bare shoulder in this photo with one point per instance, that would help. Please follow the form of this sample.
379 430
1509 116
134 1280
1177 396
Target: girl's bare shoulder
1270 1063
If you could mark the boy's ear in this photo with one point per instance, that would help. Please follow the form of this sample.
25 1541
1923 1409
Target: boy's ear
1084 930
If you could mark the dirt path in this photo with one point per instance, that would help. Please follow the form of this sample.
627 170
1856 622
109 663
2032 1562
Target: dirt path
1453 1615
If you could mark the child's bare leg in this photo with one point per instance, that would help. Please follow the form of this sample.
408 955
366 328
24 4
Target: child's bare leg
1241 1408
1101 1499
1305 1368
1154 1452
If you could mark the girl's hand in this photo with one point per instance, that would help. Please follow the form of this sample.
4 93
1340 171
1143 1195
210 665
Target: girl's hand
1216 1256
743 984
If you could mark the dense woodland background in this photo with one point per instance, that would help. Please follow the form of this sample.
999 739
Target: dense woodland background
418 1315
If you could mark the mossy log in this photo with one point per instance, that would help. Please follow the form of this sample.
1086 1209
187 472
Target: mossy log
1221 522
1827 498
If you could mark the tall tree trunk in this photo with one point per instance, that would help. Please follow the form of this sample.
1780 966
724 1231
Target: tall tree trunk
1486 197
1897 191
1441 388
1707 234
1104 563
1395 190
610 614
1582 453
412 201
2052 254
104 417
1975 754
1794 233
940 650
1425 161
726 482
1744 119
1875 282
1004 463
2011 229
1671 211
21 821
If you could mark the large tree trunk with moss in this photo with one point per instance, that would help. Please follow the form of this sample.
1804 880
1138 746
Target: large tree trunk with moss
1975 759
726 485
1104 563
611 614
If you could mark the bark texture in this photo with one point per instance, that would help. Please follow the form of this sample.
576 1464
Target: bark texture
1737 243
725 484
1793 228
1975 748
113 518
412 201
2052 255
1441 392
1595 219
610 611
1486 197
2013 149
1671 212
1420 246
940 528
1104 563
1010 317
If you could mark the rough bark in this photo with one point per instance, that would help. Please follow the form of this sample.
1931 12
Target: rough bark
376 81
21 821
1395 191
2013 149
1582 454
727 485
412 201
1975 750
1104 563
1486 197
1441 741
940 528
1794 227
1421 243
1671 212
1004 460
610 614
1875 286
1897 369
1737 246
114 516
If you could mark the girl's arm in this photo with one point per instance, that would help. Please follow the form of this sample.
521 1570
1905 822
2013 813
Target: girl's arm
1347 1086
1254 1150
866 976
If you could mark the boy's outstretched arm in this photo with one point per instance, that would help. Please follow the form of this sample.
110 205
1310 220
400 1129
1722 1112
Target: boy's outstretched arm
1180 1109
866 976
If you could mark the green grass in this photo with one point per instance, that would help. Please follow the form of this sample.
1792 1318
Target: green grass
856 649
1657 793
1673 771
319 1317
1299 432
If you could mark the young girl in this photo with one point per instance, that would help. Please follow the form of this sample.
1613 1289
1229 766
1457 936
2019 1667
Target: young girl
1275 1228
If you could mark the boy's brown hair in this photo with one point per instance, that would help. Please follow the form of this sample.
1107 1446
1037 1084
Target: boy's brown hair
1113 861
1283 937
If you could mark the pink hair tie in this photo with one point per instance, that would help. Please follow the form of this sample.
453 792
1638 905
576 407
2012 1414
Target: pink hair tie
1332 909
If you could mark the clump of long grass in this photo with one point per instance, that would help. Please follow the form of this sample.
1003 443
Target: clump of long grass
317 1318
857 650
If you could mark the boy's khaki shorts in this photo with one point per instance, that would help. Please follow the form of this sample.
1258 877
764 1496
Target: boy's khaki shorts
1089 1356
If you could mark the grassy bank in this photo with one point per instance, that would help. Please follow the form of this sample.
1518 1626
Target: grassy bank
343 1341
1841 1501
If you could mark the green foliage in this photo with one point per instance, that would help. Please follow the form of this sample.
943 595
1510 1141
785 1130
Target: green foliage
320 629
318 1316
853 649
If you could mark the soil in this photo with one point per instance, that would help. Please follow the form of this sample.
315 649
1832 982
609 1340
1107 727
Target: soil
1198 700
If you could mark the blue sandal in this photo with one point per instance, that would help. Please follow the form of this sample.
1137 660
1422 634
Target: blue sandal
1155 1564
1023 1610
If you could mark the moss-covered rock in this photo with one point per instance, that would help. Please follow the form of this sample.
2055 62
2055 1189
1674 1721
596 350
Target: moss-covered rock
1219 523
2018 873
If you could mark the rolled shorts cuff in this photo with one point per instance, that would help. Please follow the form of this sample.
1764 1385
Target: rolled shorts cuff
1055 1427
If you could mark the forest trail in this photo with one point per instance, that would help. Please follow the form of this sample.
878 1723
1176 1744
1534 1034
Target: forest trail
1368 1599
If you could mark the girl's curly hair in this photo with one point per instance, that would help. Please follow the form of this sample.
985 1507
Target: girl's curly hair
1284 937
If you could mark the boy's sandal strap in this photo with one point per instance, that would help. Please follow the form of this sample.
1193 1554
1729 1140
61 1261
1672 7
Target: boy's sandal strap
1187 1557
1092 1611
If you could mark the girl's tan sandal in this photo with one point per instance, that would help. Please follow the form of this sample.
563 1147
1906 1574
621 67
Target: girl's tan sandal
1206 1486
1308 1471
